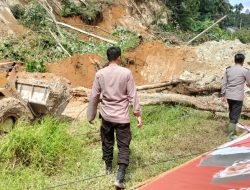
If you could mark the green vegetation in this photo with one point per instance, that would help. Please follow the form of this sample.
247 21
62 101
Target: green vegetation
243 35
35 66
34 17
50 152
44 146
39 47
18 11
91 13
189 17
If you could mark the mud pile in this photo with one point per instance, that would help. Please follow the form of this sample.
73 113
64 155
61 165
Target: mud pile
152 62
215 57
15 108
79 69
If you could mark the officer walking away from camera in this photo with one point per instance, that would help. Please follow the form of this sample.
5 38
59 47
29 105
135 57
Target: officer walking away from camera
232 91
116 87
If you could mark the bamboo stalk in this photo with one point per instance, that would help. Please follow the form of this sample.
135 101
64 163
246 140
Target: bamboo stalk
221 19
84 32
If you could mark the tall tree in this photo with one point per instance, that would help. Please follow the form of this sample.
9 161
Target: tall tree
214 8
237 12
184 11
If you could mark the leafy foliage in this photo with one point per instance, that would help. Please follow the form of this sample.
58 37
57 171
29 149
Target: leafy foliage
35 66
212 9
192 17
199 26
243 35
90 13
129 39
18 11
34 16
184 11
188 11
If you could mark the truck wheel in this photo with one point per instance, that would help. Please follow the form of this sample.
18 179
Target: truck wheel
11 109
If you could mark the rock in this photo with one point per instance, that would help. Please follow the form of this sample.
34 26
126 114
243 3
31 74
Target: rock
188 76
221 54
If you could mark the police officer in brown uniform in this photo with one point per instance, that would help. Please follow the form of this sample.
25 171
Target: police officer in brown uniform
116 86
232 90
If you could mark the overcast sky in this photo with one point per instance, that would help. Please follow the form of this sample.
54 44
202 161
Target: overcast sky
246 3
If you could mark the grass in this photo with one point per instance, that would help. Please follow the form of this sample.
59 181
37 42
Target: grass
168 131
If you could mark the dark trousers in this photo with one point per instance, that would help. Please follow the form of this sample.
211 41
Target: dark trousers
123 138
235 108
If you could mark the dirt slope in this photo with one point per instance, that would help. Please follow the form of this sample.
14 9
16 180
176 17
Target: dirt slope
152 62
79 69
113 16
8 23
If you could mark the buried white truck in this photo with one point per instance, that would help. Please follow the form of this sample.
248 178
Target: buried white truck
29 95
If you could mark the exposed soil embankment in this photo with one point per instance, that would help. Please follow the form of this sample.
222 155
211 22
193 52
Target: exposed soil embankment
79 69
113 16
152 62
8 23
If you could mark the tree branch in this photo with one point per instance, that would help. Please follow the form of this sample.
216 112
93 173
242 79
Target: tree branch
84 32
58 42
49 10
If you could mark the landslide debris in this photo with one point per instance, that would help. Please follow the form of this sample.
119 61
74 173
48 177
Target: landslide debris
79 69
153 62
221 54
14 108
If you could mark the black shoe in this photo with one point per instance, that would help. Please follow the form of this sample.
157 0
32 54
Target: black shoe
120 179
108 168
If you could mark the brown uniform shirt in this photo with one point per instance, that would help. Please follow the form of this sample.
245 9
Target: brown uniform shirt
234 81
116 87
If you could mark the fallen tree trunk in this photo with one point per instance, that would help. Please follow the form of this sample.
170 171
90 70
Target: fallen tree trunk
182 87
189 88
157 85
204 103
58 42
210 103
84 32
49 10
207 103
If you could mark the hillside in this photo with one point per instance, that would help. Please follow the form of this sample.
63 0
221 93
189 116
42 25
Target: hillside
152 56
61 44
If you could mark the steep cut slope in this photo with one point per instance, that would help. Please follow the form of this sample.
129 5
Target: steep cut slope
8 23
